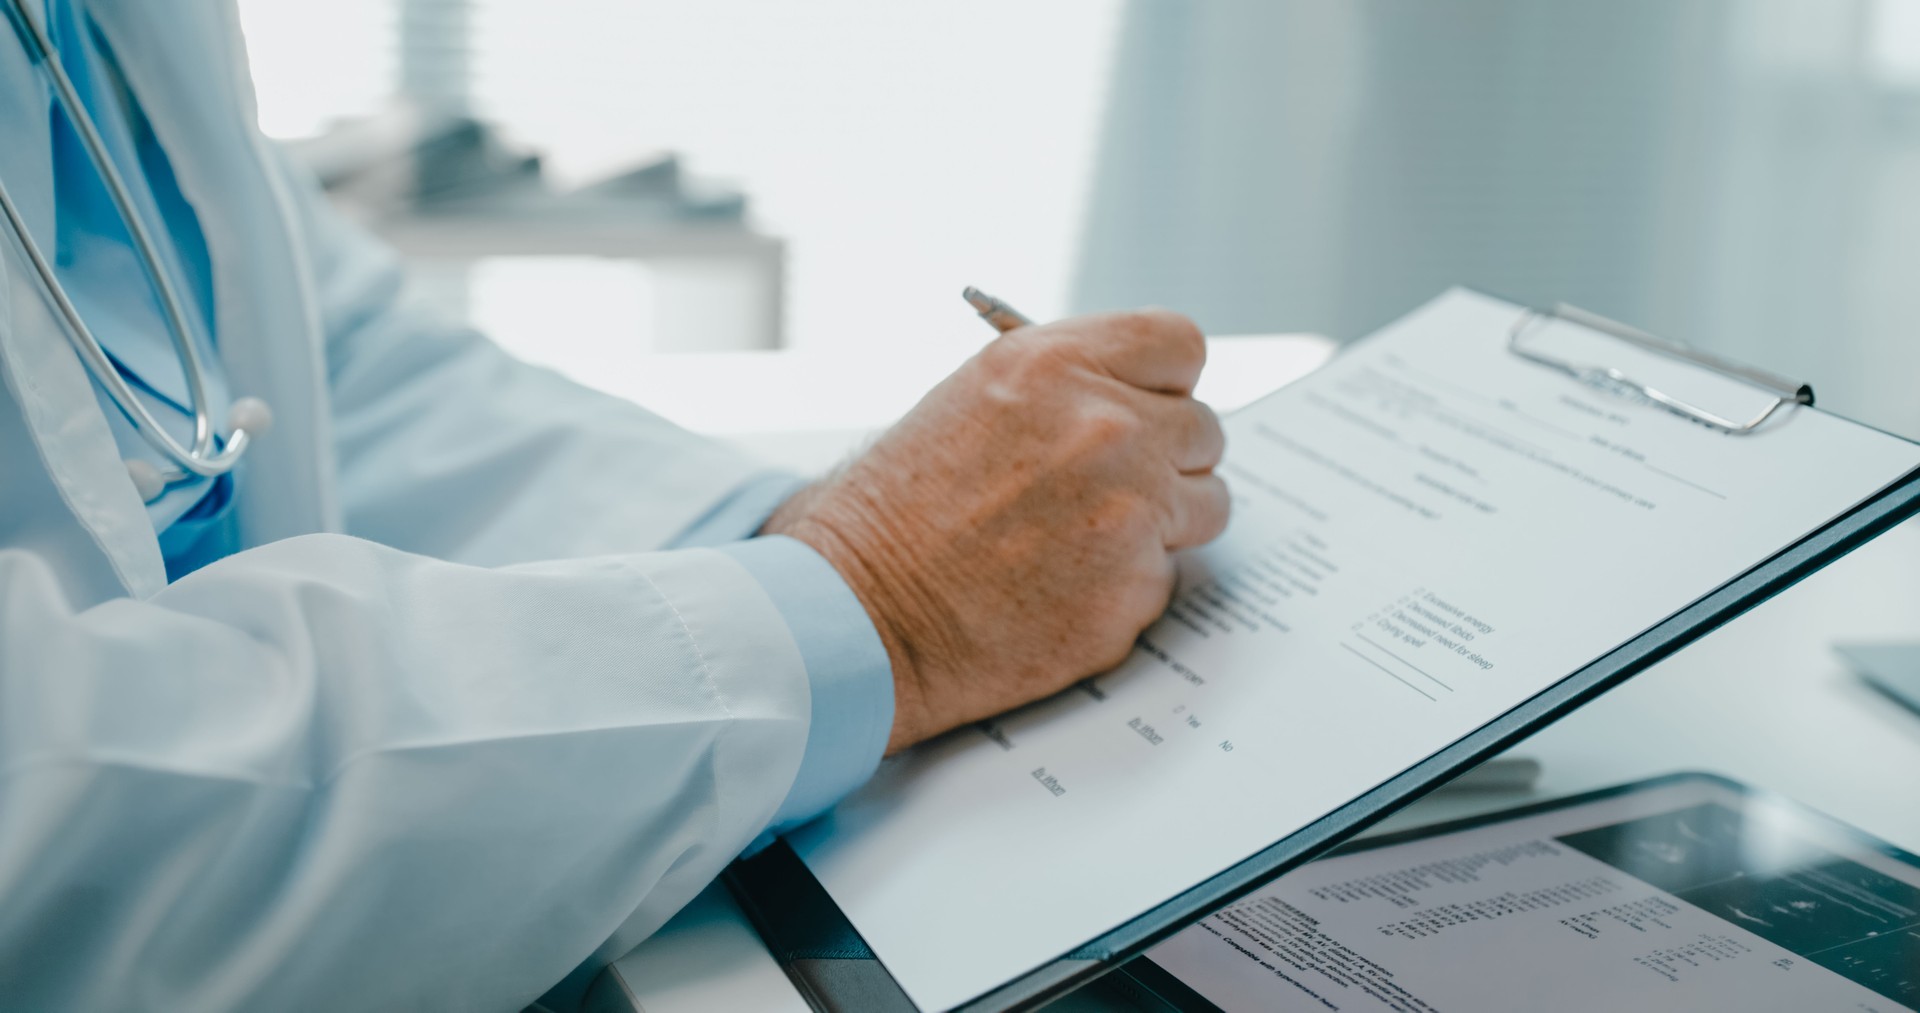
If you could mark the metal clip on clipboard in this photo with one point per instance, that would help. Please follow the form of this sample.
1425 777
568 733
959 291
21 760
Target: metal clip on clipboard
1784 391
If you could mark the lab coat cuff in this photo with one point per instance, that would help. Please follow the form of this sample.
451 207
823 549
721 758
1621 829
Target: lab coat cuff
741 513
848 672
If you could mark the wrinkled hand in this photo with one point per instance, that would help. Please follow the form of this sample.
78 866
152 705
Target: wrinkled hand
1015 531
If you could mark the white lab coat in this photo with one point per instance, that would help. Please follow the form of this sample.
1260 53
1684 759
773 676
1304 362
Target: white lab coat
446 726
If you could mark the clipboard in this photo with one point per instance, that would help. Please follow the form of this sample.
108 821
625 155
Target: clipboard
833 968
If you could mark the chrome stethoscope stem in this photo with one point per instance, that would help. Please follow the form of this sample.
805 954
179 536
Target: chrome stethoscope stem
199 458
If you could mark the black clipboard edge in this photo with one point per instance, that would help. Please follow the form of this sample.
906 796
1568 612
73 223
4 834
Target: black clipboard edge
774 887
809 936
1176 996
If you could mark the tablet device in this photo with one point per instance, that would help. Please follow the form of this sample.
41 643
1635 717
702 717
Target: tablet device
1687 892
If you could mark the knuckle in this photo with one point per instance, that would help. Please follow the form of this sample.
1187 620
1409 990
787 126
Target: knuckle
1197 512
1196 419
1211 433
1153 587
1218 509
1104 425
1209 419
1005 354
1189 432
1028 357
1006 373
1176 331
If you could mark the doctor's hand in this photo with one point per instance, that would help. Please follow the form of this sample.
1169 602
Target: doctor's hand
1015 531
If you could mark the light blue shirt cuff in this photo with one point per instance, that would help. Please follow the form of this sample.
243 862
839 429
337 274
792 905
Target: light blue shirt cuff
741 514
848 672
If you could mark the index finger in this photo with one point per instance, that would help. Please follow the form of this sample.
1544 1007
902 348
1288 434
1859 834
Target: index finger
1153 349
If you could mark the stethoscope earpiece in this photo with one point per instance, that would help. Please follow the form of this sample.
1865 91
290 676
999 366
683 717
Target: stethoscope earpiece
251 416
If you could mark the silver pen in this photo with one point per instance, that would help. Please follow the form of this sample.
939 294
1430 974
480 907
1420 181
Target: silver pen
1002 316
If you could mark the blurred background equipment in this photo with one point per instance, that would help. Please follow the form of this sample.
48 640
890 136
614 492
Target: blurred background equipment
1744 174
460 202
473 211
855 126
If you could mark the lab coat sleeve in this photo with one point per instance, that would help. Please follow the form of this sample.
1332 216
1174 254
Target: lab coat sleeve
329 774
848 672
450 447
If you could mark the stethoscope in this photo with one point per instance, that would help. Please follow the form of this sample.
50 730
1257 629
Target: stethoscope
248 418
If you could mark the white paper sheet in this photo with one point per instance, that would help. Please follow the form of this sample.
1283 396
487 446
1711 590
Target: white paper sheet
1426 532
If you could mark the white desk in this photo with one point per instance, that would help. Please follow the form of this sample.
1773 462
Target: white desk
1763 700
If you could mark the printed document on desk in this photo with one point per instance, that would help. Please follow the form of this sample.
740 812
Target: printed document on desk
1683 893
1426 532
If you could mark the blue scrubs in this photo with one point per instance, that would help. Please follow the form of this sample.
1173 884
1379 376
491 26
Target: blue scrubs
103 274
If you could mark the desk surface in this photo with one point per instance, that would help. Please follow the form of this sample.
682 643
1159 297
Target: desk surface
1763 700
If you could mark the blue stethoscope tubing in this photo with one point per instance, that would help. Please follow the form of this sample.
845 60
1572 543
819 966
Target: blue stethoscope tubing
248 417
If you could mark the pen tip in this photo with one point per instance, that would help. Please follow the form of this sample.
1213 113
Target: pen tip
1004 318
